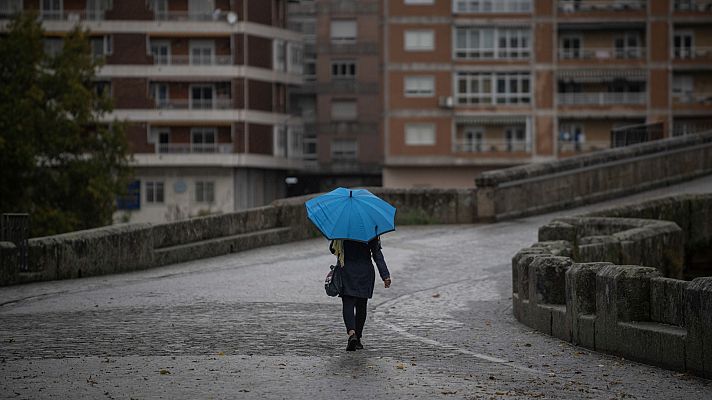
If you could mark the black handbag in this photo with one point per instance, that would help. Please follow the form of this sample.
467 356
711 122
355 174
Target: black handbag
333 283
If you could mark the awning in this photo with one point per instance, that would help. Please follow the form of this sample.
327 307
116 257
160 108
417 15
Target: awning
491 119
601 75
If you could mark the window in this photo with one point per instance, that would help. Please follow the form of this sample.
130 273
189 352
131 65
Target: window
161 138
420 134
160 9
161 52
344 149
343 110
343 31
493 88
492 6
160 94
205 191
201 96
102 88
488 43
310 70
10 7
569 47
627 45
422 40
202 140
471 140
515 138
154 192
97 8
569 131
100 46
52 9
295 57
202 52
419 86
52 46
201 9
343 69
278 55
683 45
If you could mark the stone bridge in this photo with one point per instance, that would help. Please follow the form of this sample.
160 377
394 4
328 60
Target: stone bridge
233 305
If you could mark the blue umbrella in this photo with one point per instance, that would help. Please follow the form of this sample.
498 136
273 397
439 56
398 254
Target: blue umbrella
351 214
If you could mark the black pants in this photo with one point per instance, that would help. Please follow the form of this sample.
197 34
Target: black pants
355 321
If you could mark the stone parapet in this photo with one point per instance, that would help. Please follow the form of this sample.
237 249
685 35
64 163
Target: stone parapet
604 282
540 187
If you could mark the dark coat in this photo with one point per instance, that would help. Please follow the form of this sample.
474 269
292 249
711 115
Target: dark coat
358 275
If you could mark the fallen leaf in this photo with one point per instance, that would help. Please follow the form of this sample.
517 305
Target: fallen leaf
221 353
436 295
400 365
164 372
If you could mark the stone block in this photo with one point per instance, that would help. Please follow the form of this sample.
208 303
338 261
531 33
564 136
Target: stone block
557 247
653 343
581 301
547 279
557 230
515 261
698 320
8 263
598 249
622 295
667 301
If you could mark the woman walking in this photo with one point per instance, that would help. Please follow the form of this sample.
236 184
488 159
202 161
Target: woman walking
358 279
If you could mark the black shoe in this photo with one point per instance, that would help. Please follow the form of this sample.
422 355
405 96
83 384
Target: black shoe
359 346
353 342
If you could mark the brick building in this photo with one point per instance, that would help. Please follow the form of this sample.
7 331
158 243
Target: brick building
470 85
341 100
203 86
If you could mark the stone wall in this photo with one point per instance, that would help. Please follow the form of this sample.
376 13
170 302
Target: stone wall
541 187
130 247
603 281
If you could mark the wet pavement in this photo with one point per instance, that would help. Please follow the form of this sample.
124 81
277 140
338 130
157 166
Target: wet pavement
258 325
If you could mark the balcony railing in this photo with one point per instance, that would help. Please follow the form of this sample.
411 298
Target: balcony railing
602 54
188 148
583 147
602 98
190 16
492 6
692 53
680 128
693 5
194 104
192 60
692 98
491 146
71 15
572 6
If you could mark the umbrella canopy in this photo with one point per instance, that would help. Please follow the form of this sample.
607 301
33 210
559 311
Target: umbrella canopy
351 214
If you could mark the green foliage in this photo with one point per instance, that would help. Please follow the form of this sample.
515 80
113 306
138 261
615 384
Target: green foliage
60 161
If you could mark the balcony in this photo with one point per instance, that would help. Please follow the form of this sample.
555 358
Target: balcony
603 54
194 104
350 49
68 15
492 6
569 146
692 5
603 98
191 16
192 60
490 146
193 148
692 98
692 53
349 7
580 6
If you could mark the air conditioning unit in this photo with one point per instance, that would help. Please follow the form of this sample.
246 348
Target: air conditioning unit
446 102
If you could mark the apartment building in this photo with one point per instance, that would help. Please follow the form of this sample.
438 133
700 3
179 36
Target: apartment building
471 85
341 100
203 85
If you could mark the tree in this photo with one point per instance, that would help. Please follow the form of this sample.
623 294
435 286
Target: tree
59 160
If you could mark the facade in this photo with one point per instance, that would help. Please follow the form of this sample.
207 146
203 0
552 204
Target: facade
471 85
203 86
341 100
